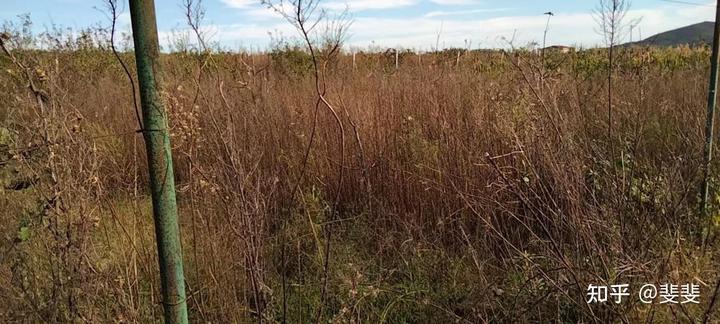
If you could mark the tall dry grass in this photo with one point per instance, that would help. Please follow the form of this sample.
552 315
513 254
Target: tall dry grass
468 196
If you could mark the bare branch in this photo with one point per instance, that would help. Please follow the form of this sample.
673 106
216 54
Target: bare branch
306 16
113 13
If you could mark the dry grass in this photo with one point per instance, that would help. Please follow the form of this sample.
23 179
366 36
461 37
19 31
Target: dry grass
467 197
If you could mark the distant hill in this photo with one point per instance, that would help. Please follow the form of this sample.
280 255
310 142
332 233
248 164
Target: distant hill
693 35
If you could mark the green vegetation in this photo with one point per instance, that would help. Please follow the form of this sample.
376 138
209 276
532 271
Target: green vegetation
700 34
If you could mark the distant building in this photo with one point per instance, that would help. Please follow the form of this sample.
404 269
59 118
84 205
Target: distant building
560 49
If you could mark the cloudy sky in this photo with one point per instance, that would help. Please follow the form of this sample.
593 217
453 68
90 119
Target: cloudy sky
391 23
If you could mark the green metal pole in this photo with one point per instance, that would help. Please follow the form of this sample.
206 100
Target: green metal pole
157 142
712 102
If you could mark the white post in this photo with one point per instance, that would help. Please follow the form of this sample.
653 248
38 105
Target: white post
252 57
354 65
397 59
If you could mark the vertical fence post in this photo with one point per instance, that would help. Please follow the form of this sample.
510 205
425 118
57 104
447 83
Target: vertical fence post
397 59
712 102
157 143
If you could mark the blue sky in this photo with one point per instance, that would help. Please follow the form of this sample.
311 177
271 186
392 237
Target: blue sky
388 23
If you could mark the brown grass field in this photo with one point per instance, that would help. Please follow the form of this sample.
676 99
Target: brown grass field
484 189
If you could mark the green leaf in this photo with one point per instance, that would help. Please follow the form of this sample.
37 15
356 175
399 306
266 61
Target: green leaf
23 234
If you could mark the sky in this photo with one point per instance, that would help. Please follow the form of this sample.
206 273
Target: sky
410 24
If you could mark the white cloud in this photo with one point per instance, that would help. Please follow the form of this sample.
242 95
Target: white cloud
264 13
462 12
455 2
240 3
255 11
361 5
